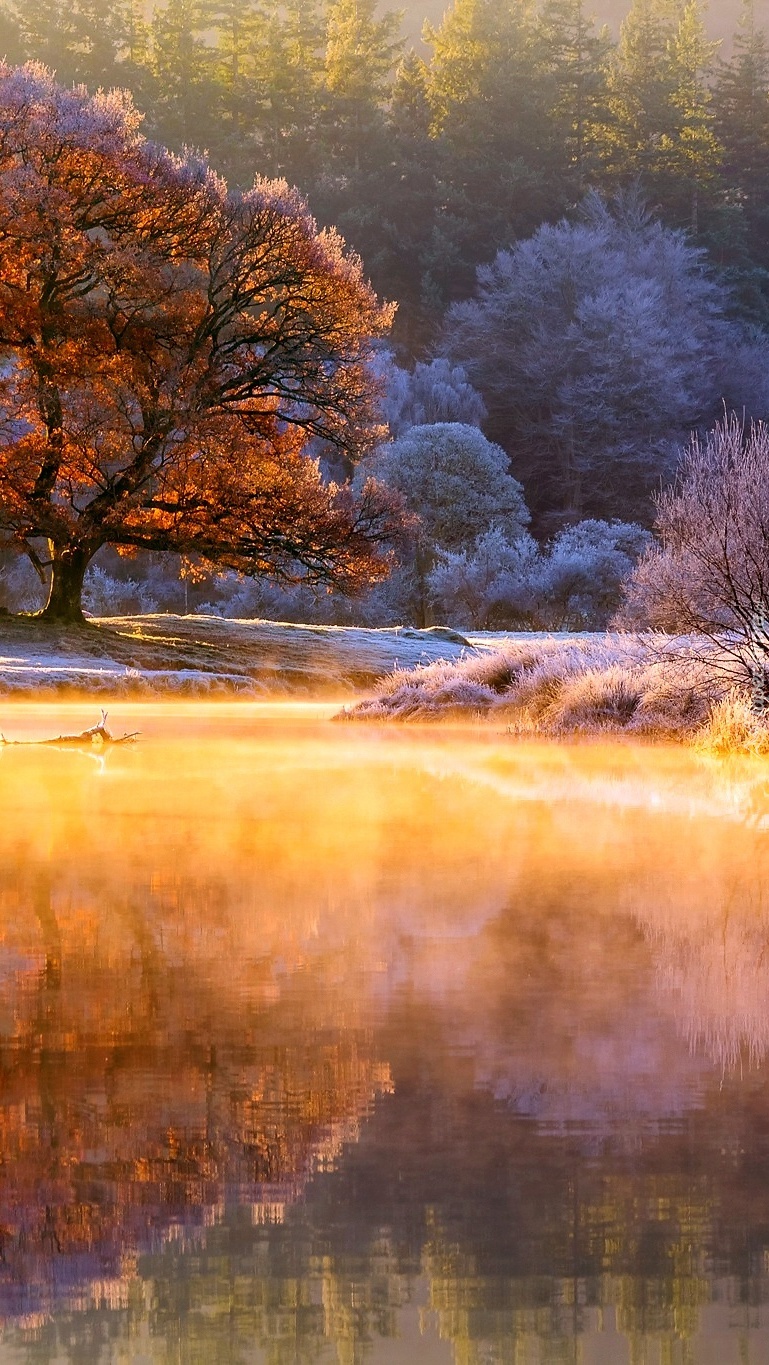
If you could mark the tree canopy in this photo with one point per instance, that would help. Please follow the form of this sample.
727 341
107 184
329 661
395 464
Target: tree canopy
168 349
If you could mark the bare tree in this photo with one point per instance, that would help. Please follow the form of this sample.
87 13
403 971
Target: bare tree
709 573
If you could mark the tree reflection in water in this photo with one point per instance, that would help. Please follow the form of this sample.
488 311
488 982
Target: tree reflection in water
320 1047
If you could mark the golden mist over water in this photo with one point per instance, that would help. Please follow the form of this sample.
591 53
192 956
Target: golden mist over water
429 1014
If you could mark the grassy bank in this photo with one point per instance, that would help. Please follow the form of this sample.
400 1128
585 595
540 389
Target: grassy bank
641 685
206 655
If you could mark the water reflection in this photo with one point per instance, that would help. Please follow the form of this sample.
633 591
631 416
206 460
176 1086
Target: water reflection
326 1045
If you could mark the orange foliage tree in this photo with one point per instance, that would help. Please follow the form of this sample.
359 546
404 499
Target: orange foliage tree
168 350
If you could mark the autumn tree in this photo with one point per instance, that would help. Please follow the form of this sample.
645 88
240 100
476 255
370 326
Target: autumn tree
168 349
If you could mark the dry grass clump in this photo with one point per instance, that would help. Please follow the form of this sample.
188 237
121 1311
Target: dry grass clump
734 727
597 699
677 693
643 685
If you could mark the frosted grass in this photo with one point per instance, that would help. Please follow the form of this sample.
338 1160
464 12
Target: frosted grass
646 685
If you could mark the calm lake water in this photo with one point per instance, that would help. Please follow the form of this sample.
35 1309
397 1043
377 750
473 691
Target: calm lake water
339 1044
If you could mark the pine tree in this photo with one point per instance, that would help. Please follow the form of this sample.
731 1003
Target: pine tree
182 65
239 30
489 93
639 107
361 54
290 81
102 32
741 105
49 34
12 45
694 150
399 197
739 238
577 58
660 126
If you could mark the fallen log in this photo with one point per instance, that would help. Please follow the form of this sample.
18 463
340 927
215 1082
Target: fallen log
97 736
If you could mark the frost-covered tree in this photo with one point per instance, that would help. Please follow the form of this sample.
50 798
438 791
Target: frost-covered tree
456 482
456 485
709 573
595 346
432 392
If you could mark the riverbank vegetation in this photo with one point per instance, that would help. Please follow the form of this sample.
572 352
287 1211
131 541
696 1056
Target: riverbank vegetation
649 686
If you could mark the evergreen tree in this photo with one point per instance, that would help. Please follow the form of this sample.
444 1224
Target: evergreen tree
48 33
12 45
290 82
502 165
660 127
387 206
361 53
413 198
183 68
576 58
639 94
741 102
694 151
239 29
738 240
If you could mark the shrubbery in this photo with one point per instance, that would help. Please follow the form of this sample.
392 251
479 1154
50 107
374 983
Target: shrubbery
574 583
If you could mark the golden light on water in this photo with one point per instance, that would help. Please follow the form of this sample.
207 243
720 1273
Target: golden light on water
279 988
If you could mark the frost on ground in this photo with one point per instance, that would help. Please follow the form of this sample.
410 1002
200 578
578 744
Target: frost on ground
581 684
207 655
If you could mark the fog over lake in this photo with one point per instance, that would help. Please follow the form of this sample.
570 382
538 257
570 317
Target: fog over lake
338 1043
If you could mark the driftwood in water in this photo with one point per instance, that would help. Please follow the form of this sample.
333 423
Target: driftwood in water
97 735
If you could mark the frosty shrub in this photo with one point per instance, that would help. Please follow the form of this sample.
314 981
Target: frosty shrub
438 391
488 587
575 583
104 595
242 598
710 572
596 346
581 577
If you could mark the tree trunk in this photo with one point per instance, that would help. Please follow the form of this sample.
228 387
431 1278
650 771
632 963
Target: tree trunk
65 596
422 565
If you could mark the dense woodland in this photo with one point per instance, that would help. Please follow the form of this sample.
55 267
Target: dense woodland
428 167
573 225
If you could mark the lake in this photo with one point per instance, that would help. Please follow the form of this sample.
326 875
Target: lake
325 1042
